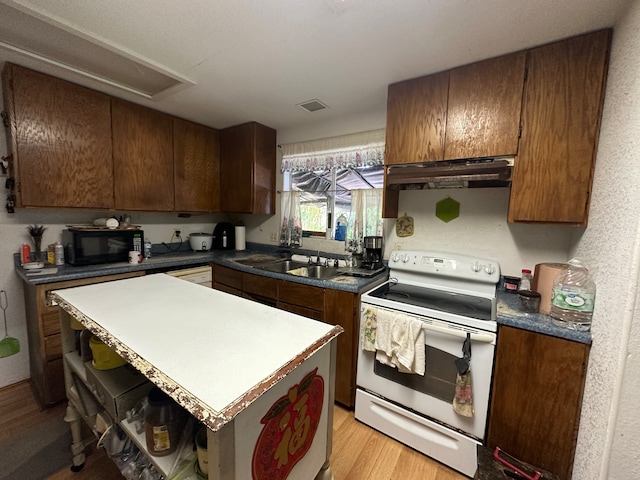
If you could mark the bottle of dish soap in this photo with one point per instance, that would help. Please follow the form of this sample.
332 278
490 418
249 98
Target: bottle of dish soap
341 228
572 297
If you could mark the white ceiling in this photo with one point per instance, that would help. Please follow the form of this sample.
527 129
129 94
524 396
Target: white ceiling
258 59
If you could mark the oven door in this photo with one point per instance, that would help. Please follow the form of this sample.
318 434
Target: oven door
432 394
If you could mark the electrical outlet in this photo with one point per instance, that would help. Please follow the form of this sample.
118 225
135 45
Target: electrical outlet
274 236
177 232
397 246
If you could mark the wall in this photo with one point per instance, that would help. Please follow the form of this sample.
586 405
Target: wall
609 437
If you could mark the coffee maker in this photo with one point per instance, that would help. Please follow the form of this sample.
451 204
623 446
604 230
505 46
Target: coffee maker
372 258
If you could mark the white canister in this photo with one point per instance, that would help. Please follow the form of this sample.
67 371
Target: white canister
58 253
241 232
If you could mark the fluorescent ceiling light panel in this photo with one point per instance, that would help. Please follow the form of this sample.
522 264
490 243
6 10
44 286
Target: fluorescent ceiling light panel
45 38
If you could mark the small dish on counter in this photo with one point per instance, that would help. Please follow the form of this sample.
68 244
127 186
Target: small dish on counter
33 265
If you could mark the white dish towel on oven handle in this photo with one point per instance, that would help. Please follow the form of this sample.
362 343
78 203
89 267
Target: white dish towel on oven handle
398 339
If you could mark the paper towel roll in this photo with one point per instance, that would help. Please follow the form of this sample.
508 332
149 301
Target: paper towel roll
241 243
543 278
106 222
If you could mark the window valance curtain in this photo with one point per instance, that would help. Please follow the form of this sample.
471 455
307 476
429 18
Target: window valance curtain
348 151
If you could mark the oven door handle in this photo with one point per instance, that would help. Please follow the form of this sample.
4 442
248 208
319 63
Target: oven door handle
476 337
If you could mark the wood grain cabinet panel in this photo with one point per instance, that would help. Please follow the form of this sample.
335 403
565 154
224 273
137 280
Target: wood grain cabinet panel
562 106
416 119
44 338
196 157
299 294
342 308
61 141
483 111
260 289
225 276
538 384
336 307
142 158
248 169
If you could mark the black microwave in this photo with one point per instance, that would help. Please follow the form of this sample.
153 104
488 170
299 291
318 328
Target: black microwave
95 246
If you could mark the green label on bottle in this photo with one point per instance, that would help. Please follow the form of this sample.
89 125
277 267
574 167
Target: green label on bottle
579 302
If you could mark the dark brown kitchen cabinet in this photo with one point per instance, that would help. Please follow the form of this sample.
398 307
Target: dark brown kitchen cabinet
483 111
537 389
60 140
416 124
248 169
336 307
562 105
416 119
227 280
332 306
469 112
142 157
196 157
43 332
260 289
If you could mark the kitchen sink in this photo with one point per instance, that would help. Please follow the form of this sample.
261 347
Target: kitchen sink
282 266
315 271
300 269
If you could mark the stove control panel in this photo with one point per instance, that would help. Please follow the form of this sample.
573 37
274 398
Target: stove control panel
458 266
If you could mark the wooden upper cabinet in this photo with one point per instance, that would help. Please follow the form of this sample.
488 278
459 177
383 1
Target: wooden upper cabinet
248 169
416 120
142 157
483 112
196 156
61 141
562 106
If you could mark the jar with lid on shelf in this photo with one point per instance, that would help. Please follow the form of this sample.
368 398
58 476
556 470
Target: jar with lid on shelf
529 300
164 420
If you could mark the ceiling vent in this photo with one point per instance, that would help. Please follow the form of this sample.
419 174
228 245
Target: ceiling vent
46 38
312 105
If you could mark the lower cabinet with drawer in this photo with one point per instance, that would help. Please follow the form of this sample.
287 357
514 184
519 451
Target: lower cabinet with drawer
336 307
45 343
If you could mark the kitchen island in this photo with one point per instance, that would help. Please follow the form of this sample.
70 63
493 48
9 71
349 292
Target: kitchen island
229 362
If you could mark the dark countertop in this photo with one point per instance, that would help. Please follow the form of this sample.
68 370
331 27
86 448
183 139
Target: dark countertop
184 258
508 307
510 313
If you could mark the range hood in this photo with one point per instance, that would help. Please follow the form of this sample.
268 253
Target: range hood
469 173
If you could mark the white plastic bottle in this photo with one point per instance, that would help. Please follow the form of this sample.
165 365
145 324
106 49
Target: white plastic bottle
573 297
525 280
147 248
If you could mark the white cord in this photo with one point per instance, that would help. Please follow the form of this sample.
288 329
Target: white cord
104 435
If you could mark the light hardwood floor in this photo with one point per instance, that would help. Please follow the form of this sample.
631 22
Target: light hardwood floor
359 452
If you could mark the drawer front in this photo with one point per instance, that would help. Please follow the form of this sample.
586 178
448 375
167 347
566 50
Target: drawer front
51 321
299 310
227 276
53 347
258 285
299 294
226 289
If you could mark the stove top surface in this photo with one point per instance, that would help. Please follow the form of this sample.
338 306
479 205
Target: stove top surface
470 306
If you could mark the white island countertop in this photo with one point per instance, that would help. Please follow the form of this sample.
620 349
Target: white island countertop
214 353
